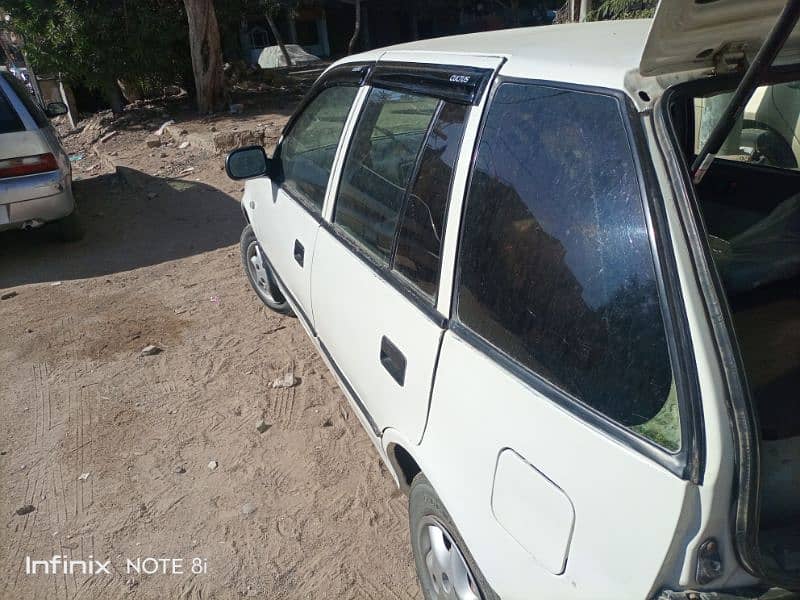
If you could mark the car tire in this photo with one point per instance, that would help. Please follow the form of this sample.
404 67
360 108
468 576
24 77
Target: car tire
260 274
70 228
432 532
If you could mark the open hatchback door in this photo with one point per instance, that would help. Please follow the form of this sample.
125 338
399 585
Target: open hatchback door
734 111
713 34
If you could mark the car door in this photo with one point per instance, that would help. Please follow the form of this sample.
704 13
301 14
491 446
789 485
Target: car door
560 434
286 210
377 261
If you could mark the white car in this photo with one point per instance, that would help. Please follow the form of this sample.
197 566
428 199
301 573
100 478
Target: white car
35 172
555 271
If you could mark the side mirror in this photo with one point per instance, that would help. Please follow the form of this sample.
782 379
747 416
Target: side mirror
249 162
56 109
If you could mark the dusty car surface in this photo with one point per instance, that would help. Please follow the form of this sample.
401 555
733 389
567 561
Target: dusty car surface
555 271
35 173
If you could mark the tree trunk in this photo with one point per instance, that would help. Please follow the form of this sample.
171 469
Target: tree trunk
114 96
206 55
274 29
357 31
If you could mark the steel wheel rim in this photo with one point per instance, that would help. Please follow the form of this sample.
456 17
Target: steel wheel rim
260 275
447 571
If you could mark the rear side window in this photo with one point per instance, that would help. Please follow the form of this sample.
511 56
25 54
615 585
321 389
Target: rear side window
419 239
308 149
30 103
555 264
380 163
9 121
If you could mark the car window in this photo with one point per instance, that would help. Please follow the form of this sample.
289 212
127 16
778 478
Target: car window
31 104
9 121
768 131
380 162
421 231
555 262
308 149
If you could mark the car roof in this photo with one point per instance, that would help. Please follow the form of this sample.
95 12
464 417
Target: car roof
596 54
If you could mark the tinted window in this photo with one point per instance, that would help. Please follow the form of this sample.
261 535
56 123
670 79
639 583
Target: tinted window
30 103
379 165
9 121
308 149
422 226
555 261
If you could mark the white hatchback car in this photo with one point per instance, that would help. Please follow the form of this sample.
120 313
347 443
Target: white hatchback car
555 271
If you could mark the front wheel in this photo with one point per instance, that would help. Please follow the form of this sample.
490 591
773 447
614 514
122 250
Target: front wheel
445 567
260 274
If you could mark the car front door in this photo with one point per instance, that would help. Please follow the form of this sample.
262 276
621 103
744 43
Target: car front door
286 210
377 262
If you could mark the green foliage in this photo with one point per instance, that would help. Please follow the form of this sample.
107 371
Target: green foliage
95 42
623 9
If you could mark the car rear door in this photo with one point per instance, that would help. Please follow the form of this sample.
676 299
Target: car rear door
560 435
286 210
376 271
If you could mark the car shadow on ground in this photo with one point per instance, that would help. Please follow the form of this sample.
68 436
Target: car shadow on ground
132 220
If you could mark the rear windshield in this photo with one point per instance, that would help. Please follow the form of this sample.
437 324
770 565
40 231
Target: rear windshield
9 121
30 103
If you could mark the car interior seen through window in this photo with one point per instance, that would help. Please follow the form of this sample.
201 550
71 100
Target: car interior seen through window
308 150
379 166
556 268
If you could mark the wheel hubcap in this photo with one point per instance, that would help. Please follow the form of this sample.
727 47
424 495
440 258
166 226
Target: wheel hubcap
450 577
259 272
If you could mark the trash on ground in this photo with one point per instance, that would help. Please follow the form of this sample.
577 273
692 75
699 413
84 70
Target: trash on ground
184 145
83 477
286 381
186 171
160 130
108 136
212 465
262 426
8 295
26 509
150 350
76 157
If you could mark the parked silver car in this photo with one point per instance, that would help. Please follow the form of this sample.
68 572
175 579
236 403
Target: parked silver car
35 173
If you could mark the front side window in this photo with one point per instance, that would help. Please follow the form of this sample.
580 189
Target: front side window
308 150
555 263
380 163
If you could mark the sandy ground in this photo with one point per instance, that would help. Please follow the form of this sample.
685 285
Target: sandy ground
112 449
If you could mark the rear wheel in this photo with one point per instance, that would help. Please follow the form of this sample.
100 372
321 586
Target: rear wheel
445 567
260 274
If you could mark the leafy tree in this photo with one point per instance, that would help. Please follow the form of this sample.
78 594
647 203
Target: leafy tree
623 9
142 42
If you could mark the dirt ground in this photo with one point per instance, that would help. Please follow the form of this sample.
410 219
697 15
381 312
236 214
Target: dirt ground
113 451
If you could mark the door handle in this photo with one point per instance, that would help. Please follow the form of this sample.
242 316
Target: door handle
299 252
393 361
